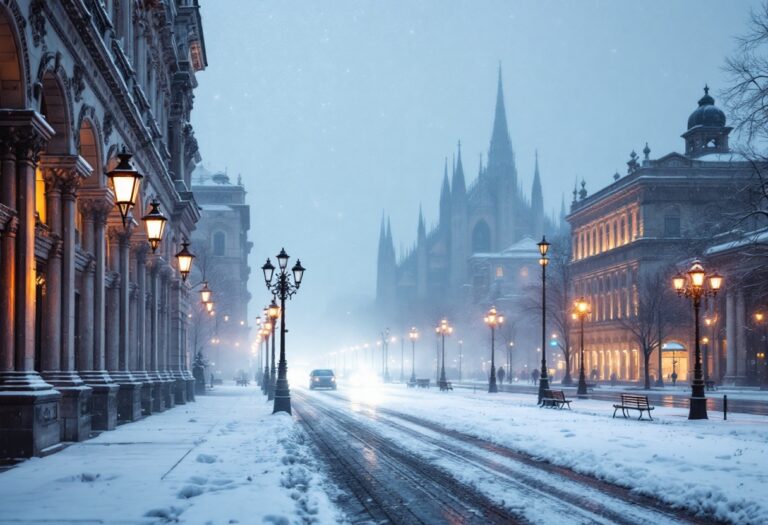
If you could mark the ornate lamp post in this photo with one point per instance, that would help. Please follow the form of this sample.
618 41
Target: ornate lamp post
493 319
273 314
693 285
154 222
185 257
581 310
283 289
442 330
543 261
125 183
413 335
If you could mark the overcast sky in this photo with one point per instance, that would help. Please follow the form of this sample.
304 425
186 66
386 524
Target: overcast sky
333 111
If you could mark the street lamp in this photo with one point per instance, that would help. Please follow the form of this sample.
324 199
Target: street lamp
543 261
693 285
442 330
581 310
493 319
205 293
125 183
760 318
283 289
184 257
413 335
273 314
154 222
209 306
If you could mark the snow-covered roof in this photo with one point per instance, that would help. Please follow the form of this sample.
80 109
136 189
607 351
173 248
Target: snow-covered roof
723 157
525 248
215 207
745 239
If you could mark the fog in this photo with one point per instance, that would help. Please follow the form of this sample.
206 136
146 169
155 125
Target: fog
334 111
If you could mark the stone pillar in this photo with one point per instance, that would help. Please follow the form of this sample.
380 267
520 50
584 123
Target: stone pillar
29 407
96 204
741 338
158 400
128 394
731 337
185 356
85 347
142 350
165 326
8 254
175 349
63 175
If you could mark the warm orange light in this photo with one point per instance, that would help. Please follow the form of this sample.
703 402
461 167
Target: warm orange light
678 281
696 273
581 308
759 316
413 334
715 282
444 328
493 318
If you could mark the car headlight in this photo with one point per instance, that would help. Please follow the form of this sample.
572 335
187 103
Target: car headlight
316 379
333 379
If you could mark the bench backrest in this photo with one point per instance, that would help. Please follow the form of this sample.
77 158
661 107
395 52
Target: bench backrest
635 400
558 395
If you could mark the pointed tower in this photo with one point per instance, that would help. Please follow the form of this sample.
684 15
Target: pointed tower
502 176
421 258
381 266
563 224
445 201
459 237
537 203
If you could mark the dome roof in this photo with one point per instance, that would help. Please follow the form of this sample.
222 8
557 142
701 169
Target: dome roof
707 114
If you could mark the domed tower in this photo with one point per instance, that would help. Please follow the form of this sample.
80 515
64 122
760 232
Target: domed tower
707 132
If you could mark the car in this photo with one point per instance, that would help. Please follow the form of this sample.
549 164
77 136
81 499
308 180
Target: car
322 378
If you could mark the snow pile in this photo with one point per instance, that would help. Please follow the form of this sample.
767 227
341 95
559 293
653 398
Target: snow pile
223 459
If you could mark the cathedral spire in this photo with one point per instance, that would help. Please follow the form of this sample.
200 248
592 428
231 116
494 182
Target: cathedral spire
458 185
422 229
445 199
537 201
501 158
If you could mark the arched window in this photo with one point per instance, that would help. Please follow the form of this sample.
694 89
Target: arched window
219 243
481 238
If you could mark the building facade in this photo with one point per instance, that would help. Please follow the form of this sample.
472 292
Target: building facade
647 225
491 214
222 249
93 322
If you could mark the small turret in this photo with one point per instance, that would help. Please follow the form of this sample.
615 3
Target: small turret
537 201
445 199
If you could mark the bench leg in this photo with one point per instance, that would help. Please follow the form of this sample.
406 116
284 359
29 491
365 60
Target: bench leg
614 411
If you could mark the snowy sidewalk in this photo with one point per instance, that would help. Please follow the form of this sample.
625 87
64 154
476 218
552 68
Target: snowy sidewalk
222 459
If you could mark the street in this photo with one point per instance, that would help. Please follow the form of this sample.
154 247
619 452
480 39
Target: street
405 469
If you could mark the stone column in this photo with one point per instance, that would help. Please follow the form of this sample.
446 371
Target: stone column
741 338
63 175
29 407
85 347
96 204
142 361
158 400
175 349
186 359
8 254
129 395
165 326
730 336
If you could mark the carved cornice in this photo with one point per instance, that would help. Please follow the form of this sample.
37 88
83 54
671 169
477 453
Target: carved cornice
96 203
27 130
65 171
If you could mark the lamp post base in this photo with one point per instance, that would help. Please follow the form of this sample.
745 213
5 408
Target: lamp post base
282 397
581 392
543 385
492 387
698 409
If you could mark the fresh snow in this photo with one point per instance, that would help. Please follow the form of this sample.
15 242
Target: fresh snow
715 468
222 459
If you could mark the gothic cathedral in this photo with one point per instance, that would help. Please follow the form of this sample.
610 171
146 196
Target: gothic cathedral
488 216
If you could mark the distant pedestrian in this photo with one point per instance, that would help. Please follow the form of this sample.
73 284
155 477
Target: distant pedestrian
614 379
593 374
674 378
501 374
534 376
211 379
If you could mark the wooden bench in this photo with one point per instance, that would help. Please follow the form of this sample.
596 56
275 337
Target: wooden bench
634 402
411 384
445 385
554 399
710 385
422 383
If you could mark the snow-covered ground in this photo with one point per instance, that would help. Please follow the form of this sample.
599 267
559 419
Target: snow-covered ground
222 459
715 468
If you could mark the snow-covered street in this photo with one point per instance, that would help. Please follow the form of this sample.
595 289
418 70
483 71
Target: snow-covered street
389 454
223 459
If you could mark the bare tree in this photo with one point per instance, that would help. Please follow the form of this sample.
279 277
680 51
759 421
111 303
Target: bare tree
654 311
560 299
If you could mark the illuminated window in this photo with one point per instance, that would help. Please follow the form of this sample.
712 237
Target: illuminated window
78 227
499 272
40 196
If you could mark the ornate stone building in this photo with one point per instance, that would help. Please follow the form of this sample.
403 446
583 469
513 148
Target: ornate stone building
656 218
222 249
433 279
92 323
